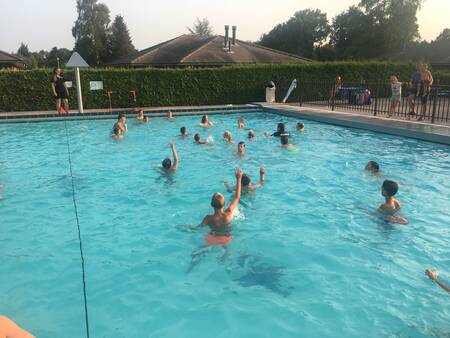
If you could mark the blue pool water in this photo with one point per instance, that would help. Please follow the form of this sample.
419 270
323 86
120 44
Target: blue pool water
307 259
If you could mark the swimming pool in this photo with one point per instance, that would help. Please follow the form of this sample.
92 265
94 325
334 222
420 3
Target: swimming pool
307 258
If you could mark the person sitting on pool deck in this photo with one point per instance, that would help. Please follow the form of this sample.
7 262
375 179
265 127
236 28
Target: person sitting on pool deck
183 132
198 140
241 149
170 115
227 137
300 127
373 167
388 190
433 275
141 117
251 134
241 123
246 186
167 163
121 123
220 221
9 329
206 123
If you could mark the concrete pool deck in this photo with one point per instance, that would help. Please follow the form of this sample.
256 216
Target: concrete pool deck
436 133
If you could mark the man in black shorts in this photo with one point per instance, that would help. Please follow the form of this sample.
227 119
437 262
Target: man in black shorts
60 92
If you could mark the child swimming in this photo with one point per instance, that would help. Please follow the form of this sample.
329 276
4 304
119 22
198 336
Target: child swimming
300 127
281 130
388 190
121 119
284 142
251 134
206 123
198 140
241 149
141 117
372 167
183 132
219 222
227 137
167 163
117 134
246 186
170 115
241 123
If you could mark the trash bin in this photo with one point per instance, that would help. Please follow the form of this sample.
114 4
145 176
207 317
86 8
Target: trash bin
270 92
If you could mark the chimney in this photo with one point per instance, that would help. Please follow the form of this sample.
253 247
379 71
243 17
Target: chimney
225 42
234 34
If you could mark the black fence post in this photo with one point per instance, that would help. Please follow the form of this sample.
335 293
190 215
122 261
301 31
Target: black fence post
375 107
333 99
435 97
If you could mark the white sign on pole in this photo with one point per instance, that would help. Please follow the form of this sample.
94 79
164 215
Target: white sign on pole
68 84
96 85
76 61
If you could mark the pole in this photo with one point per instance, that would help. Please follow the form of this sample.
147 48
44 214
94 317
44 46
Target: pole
79 97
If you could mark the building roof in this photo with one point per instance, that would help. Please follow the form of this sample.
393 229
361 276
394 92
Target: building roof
8 60
198 50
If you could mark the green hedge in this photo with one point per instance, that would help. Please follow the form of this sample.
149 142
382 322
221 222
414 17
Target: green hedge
30 90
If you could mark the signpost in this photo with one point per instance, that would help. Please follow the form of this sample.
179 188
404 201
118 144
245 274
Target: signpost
77 62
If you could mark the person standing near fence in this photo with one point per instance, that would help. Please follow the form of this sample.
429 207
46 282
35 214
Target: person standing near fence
396 87
60 92
335 90
413 86
426 81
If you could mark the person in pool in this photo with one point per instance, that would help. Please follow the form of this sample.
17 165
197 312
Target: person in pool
198 140
167 164
433 275
246 183
9 329
170 115
219 222
284 142
373 167
388 190
241 123
206 123
121 119
251 134
281 130
227 137
117 133
141 117
241 149
183 132
300 127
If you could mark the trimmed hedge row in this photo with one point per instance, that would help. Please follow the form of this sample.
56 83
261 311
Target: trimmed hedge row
30 90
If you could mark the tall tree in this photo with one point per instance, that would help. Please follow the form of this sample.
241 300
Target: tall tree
201 27
23 50
300 34
120 42
91 30
56 53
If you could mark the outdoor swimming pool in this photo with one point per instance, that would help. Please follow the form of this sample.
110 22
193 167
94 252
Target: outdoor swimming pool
307 258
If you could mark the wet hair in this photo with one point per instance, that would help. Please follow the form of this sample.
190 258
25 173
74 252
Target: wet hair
245 180
166 163
140 111
217 201
281 127
120 116
390 187
251 134
183 130
241 144
300 125
373 166
284 139
116 131
204 118
197 137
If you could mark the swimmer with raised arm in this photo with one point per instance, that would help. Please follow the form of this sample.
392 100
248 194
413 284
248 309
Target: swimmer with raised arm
246 186
206 123
121 123
219 222
199 140
388 190
167 164
281 130
227 137
9 329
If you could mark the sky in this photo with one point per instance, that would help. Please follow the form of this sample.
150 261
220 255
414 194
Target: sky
43 24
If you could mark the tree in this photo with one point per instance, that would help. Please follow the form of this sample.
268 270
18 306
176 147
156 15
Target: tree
56 53
120 41
201 27
91 31
300 34
23 50
444 36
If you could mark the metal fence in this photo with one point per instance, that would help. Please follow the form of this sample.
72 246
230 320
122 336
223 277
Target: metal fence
369 98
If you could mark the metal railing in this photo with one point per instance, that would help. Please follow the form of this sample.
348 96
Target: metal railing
370 99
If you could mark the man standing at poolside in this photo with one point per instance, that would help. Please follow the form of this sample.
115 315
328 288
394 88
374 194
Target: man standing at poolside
413 86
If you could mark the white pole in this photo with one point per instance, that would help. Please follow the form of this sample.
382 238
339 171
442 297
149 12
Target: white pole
79 97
